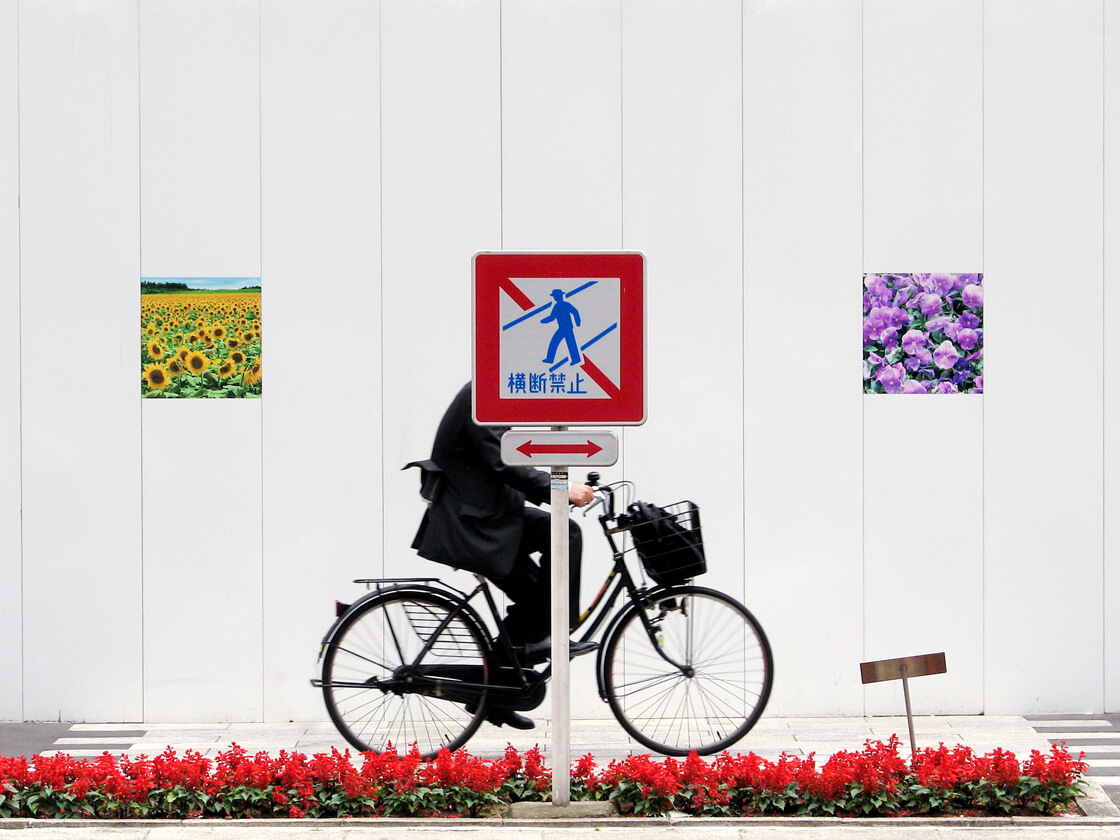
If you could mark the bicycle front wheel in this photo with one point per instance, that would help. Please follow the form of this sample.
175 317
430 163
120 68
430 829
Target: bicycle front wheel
403 670
691 670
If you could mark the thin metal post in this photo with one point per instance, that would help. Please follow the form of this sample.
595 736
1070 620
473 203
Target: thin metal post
561 679
909 714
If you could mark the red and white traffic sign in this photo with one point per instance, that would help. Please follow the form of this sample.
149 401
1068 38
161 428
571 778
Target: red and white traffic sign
544 448
559 339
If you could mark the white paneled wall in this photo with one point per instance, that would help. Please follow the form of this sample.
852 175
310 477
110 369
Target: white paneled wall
11 558
79 315
801 404
923 154
178 559
1043 427
200 201
321 262
1111 588
441 201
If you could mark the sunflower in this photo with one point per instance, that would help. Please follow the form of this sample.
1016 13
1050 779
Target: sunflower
192 338
252 375
156 350
175 367
237 357
197 361
232 343
156 376
227 369
182 353
219 331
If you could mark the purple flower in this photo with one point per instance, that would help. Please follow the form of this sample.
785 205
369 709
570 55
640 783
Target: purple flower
978 387
967 338
968 320
898 318
889 338
938 324
942 283
945 356
973 296
947 388
874 323
878 289
913 341
866 371
913 386
930 304
891 378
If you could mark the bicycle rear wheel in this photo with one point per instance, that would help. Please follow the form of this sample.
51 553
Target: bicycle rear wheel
384 690
698 679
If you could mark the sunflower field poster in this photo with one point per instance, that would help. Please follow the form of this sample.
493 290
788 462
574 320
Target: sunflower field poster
200 337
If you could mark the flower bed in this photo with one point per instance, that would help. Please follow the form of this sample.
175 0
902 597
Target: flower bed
874 781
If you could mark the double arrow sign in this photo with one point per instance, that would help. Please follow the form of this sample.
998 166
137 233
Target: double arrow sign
559 449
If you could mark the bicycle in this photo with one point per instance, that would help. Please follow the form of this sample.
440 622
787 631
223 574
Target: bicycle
682 667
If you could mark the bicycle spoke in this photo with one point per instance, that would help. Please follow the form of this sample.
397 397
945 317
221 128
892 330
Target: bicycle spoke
382 645
718 696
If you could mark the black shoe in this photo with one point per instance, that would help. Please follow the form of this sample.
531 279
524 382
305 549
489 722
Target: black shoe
541 650
508 717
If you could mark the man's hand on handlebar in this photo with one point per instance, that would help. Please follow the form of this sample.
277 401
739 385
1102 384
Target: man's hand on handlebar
580 494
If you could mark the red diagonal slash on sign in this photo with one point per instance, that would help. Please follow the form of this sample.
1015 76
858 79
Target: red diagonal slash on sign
529 449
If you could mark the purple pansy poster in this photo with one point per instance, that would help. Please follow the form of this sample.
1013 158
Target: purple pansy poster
923 333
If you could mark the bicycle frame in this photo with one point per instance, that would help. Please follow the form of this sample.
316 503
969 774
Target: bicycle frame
421 679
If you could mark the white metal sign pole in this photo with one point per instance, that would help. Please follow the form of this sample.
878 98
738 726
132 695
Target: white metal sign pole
561 680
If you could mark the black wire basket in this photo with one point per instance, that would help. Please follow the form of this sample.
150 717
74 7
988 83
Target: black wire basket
667 539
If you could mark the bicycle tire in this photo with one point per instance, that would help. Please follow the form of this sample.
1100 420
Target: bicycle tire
675 712
367 666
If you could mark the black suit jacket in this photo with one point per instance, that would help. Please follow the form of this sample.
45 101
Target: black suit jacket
476 519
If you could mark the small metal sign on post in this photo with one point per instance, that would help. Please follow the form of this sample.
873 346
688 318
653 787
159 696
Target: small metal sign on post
902 669
559 341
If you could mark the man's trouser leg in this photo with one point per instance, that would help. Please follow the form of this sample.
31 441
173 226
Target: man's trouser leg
529 584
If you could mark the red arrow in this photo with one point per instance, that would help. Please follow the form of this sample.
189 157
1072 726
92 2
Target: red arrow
529 449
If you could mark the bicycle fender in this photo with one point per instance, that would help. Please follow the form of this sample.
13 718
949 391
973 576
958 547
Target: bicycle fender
419 589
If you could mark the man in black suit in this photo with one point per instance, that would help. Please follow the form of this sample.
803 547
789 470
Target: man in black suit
477 520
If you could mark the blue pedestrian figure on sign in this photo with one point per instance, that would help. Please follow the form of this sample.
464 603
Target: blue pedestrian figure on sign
566 317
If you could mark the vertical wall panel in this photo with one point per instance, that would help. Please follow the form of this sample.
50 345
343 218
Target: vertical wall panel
1043 394
80 378
923 455
200 200
683 207
562 166
321 269
561 125
801 116
441 203
11 558
1112 356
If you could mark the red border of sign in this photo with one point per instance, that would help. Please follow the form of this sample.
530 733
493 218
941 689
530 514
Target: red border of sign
626 408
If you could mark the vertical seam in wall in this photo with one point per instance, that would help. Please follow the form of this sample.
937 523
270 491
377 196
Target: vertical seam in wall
743 279
140 267
1104 359
863 399
622 181
381 258
19 342
260 268
983 403
501 132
